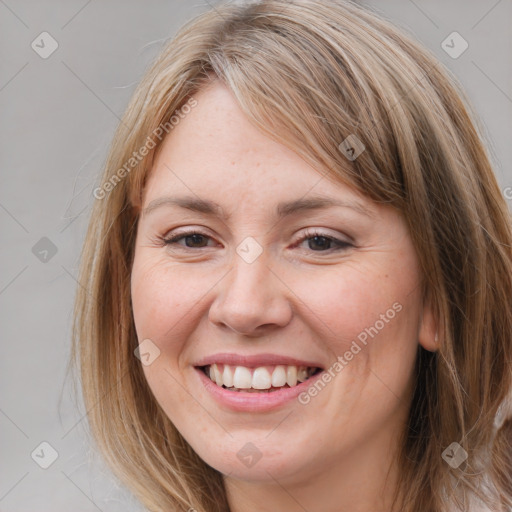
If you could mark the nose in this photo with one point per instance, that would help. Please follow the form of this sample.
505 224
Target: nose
252 300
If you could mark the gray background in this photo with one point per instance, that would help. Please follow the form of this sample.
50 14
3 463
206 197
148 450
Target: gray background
57 118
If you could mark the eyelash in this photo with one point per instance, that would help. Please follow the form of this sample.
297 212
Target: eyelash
342 245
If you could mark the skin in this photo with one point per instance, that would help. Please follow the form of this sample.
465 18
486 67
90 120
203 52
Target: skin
298 298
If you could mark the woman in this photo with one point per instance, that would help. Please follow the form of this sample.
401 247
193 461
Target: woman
299 275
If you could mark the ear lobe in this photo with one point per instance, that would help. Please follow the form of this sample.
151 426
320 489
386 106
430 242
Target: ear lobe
429 331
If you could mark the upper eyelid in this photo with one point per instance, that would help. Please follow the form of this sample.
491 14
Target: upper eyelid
204 231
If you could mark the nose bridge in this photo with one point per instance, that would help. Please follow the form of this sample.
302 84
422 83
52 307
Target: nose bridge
249 286
250 295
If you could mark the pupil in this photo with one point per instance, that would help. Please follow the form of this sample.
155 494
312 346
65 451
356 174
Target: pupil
196 237
316 238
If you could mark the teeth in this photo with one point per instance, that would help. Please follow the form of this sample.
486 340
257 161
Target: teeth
242 378
279 376
227 376
258 379
261 379
217 375
291 376
302 374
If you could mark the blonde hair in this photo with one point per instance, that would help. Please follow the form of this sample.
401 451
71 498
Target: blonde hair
309 73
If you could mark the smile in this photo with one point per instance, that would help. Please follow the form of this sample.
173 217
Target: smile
262 379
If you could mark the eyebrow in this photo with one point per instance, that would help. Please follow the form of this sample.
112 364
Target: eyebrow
283 209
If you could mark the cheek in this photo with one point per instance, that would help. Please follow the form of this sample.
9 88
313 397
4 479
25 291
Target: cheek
367 317
164 298
164 302
345 302
367 314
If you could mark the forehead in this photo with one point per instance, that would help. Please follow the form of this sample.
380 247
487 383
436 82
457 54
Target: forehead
216 140
215 152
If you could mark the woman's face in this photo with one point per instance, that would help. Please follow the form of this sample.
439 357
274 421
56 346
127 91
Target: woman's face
273 286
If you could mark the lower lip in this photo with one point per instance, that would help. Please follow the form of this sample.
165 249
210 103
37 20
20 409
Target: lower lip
254 402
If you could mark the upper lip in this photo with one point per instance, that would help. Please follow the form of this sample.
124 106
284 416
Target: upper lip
255 360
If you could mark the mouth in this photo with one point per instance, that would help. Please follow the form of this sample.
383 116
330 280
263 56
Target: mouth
261 379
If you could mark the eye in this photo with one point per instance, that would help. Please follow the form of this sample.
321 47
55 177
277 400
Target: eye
195 237
323 241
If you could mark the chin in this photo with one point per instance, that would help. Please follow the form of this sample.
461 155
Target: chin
258 461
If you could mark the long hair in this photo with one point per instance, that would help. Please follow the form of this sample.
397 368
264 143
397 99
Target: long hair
309 74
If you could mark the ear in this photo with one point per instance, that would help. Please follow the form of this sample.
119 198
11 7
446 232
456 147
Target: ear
429 332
